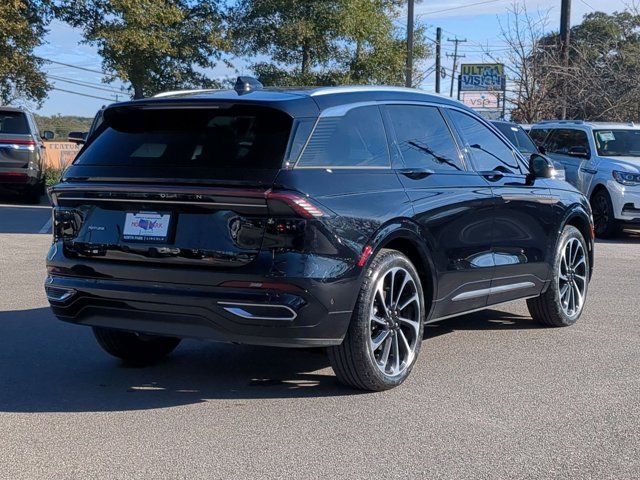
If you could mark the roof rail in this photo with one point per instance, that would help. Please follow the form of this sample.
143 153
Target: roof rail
575 122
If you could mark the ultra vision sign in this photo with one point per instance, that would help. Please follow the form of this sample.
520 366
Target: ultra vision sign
481 77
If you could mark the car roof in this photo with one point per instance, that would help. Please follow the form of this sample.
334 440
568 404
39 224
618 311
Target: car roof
588 124
297 101
11 109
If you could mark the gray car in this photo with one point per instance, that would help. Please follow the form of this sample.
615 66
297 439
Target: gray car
21 153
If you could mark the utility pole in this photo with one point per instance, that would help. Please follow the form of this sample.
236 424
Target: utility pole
409 75
455 56
565 34
438 58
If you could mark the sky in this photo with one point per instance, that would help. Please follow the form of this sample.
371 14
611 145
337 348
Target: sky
476 21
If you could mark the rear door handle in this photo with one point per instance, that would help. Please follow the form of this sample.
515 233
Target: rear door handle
416 173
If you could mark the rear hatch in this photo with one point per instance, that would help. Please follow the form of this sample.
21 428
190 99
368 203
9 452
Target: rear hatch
173 185
16 142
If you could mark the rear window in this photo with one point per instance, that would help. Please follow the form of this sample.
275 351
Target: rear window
356 139
14 123
224 137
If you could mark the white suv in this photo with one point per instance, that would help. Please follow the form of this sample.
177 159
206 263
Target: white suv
602 160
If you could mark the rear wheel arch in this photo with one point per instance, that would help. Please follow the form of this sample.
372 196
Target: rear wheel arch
579 219
405 238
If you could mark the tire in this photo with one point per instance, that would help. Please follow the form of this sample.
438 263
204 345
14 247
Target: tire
357 362
605 224
569 283
133 348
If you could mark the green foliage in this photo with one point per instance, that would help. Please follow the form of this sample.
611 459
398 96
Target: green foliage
22 28
325 42
154 45
52 176
62 125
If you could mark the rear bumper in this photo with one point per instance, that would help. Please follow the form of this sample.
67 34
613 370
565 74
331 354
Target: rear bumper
286 319
13 178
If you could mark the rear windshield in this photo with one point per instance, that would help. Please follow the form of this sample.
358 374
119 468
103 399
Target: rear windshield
14 123
224 137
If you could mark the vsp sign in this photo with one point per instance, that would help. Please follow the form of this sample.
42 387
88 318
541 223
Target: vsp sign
481 100
481 77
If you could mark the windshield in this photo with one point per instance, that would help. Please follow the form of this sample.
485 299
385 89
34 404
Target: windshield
227 137
518 137
618 143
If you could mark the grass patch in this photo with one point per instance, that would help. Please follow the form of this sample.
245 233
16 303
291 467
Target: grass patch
52 175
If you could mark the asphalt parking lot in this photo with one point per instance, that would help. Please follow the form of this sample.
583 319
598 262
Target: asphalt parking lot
493 396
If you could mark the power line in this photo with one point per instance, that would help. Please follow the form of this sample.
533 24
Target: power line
82 94
457 8
72 66
83 84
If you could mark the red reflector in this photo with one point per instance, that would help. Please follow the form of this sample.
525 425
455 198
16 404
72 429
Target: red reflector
298 203
366 253
284 287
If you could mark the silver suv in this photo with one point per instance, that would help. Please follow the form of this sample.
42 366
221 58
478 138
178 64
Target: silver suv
21 153
602 160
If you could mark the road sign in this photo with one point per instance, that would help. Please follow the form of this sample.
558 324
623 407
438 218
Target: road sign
482 77
481 99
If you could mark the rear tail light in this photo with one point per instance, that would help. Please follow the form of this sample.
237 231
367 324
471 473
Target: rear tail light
298 203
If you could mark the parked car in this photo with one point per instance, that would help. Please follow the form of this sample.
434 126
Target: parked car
521 140
21 154
603 161
343 218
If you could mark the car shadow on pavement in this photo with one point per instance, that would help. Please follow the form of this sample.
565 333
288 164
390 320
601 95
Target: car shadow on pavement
50 366
483 320
624 237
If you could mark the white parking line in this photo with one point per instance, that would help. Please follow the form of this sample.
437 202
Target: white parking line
46 228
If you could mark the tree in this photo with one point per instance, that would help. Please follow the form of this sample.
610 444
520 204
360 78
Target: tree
600 81
324 42
154 45
22 28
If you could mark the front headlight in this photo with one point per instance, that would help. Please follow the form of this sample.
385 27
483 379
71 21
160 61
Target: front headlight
626 178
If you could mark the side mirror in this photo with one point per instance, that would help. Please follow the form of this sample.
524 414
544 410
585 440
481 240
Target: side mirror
48 135
540 167
581 152
77 137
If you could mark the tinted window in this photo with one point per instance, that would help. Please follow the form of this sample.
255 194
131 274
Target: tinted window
232 137
423 138
517 136
356 139
488 152
13 122
538 135
564 139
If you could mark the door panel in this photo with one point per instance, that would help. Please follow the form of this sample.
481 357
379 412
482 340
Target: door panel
522 232
455 212
523 214
454 207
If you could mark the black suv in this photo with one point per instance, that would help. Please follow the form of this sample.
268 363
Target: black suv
337 217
